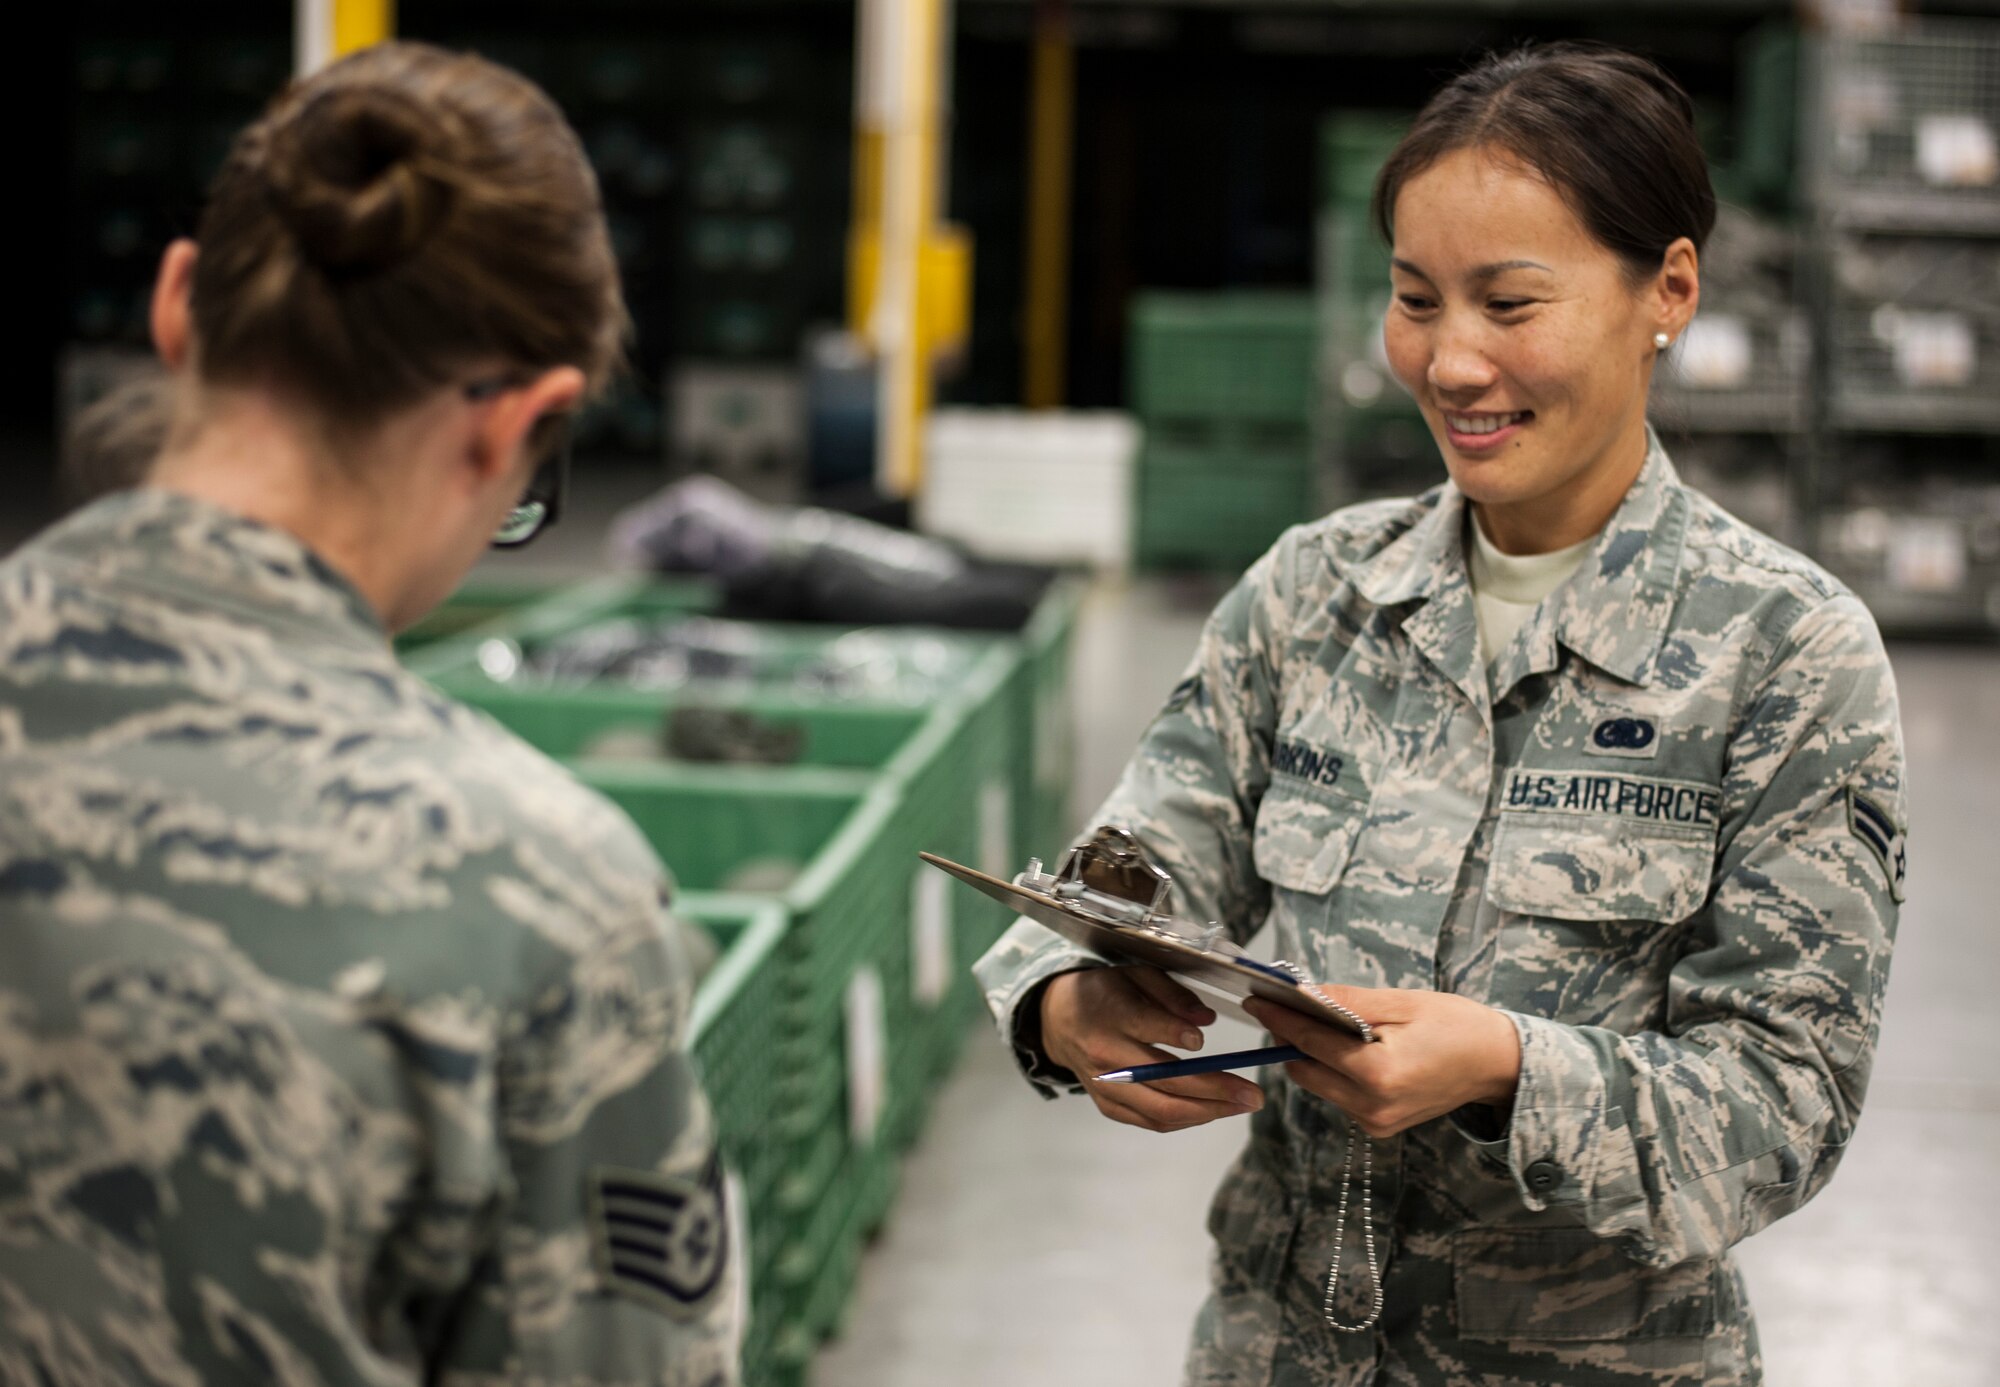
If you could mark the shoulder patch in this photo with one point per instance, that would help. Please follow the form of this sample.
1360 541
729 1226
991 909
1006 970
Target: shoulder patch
1878 832
658 1240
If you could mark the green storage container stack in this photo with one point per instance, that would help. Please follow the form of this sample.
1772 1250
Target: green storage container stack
1222 385
958 776
1372 440
1045 726
843 1025
730 1034
477 602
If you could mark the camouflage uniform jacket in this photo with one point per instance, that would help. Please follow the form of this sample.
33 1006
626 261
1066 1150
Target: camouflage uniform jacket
1662 838
340 1033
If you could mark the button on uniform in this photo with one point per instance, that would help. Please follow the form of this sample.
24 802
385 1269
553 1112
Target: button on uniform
1544 1176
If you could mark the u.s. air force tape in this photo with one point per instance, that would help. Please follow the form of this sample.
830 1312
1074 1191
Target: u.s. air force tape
659 1240
1641 799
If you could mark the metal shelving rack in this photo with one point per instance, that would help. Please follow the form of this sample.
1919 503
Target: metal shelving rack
1901 495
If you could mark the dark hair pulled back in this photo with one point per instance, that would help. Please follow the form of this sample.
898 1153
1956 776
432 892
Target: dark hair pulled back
391 220
1609 130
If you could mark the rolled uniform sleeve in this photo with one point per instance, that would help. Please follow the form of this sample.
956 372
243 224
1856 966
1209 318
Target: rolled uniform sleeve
1681 1142
1190 794
613 1261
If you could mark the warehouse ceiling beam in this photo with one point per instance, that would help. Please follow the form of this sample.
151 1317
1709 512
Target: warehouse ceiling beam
909 274
327 29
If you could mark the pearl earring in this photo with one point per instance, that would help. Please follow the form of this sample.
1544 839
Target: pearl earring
1662 341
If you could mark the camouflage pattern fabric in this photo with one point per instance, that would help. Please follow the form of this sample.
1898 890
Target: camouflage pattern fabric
1664 838
340 1033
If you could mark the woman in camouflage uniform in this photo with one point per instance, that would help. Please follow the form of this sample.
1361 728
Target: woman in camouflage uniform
1584 794
341 1034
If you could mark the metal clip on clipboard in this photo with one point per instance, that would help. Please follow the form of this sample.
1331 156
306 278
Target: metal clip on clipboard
1110 899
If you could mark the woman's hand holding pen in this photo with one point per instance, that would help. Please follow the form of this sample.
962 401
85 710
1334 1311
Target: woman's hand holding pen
1435 1053
1102 1019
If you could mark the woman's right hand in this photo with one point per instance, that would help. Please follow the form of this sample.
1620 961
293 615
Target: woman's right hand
1100 1019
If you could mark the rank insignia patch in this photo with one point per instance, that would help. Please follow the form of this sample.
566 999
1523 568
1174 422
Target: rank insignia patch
661 1241
1890 844
1185 692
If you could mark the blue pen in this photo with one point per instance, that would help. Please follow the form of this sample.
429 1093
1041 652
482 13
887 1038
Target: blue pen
1204 1064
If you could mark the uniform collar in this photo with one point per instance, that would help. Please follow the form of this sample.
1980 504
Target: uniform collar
151 543
1613 611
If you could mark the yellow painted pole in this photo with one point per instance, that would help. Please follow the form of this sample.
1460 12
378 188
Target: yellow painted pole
874 53
909 275
906 197
1051 123
323 30
359 23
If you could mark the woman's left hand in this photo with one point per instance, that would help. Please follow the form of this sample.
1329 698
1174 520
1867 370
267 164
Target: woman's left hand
1434 1053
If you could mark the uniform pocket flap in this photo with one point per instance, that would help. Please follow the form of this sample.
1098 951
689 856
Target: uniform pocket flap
1304 837
1566 1283
1571 868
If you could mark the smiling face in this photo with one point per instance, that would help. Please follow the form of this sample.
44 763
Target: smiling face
1527 345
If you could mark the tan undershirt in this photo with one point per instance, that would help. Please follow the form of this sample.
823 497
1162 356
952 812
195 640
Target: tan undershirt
1506 588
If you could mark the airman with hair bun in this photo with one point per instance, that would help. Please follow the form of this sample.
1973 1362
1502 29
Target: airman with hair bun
342 1035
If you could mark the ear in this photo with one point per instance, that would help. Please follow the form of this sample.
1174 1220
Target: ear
170 317
503 430
1676 290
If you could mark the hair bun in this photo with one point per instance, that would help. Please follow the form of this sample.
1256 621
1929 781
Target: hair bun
347 175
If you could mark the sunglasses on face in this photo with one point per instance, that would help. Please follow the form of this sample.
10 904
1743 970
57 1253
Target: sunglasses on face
541 504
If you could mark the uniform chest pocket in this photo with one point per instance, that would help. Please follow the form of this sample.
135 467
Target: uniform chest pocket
1573 867
1305 836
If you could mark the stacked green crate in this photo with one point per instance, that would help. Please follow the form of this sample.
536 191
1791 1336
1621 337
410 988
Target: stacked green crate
881 781
844 925
958 776
1764 170
766 193
754 1089
1044 744
1222 384
1372 439
1043 736
478 601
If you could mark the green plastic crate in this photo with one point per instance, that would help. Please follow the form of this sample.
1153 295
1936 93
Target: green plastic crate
1045 724
845 911
747 1052
959 778
820 1270
451 659
1218 497
1233 356
477 602
1353 146
465 667
566 722
1354 263
1767 124
846 831
878 784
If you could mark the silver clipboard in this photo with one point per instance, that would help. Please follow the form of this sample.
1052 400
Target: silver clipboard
1107 898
